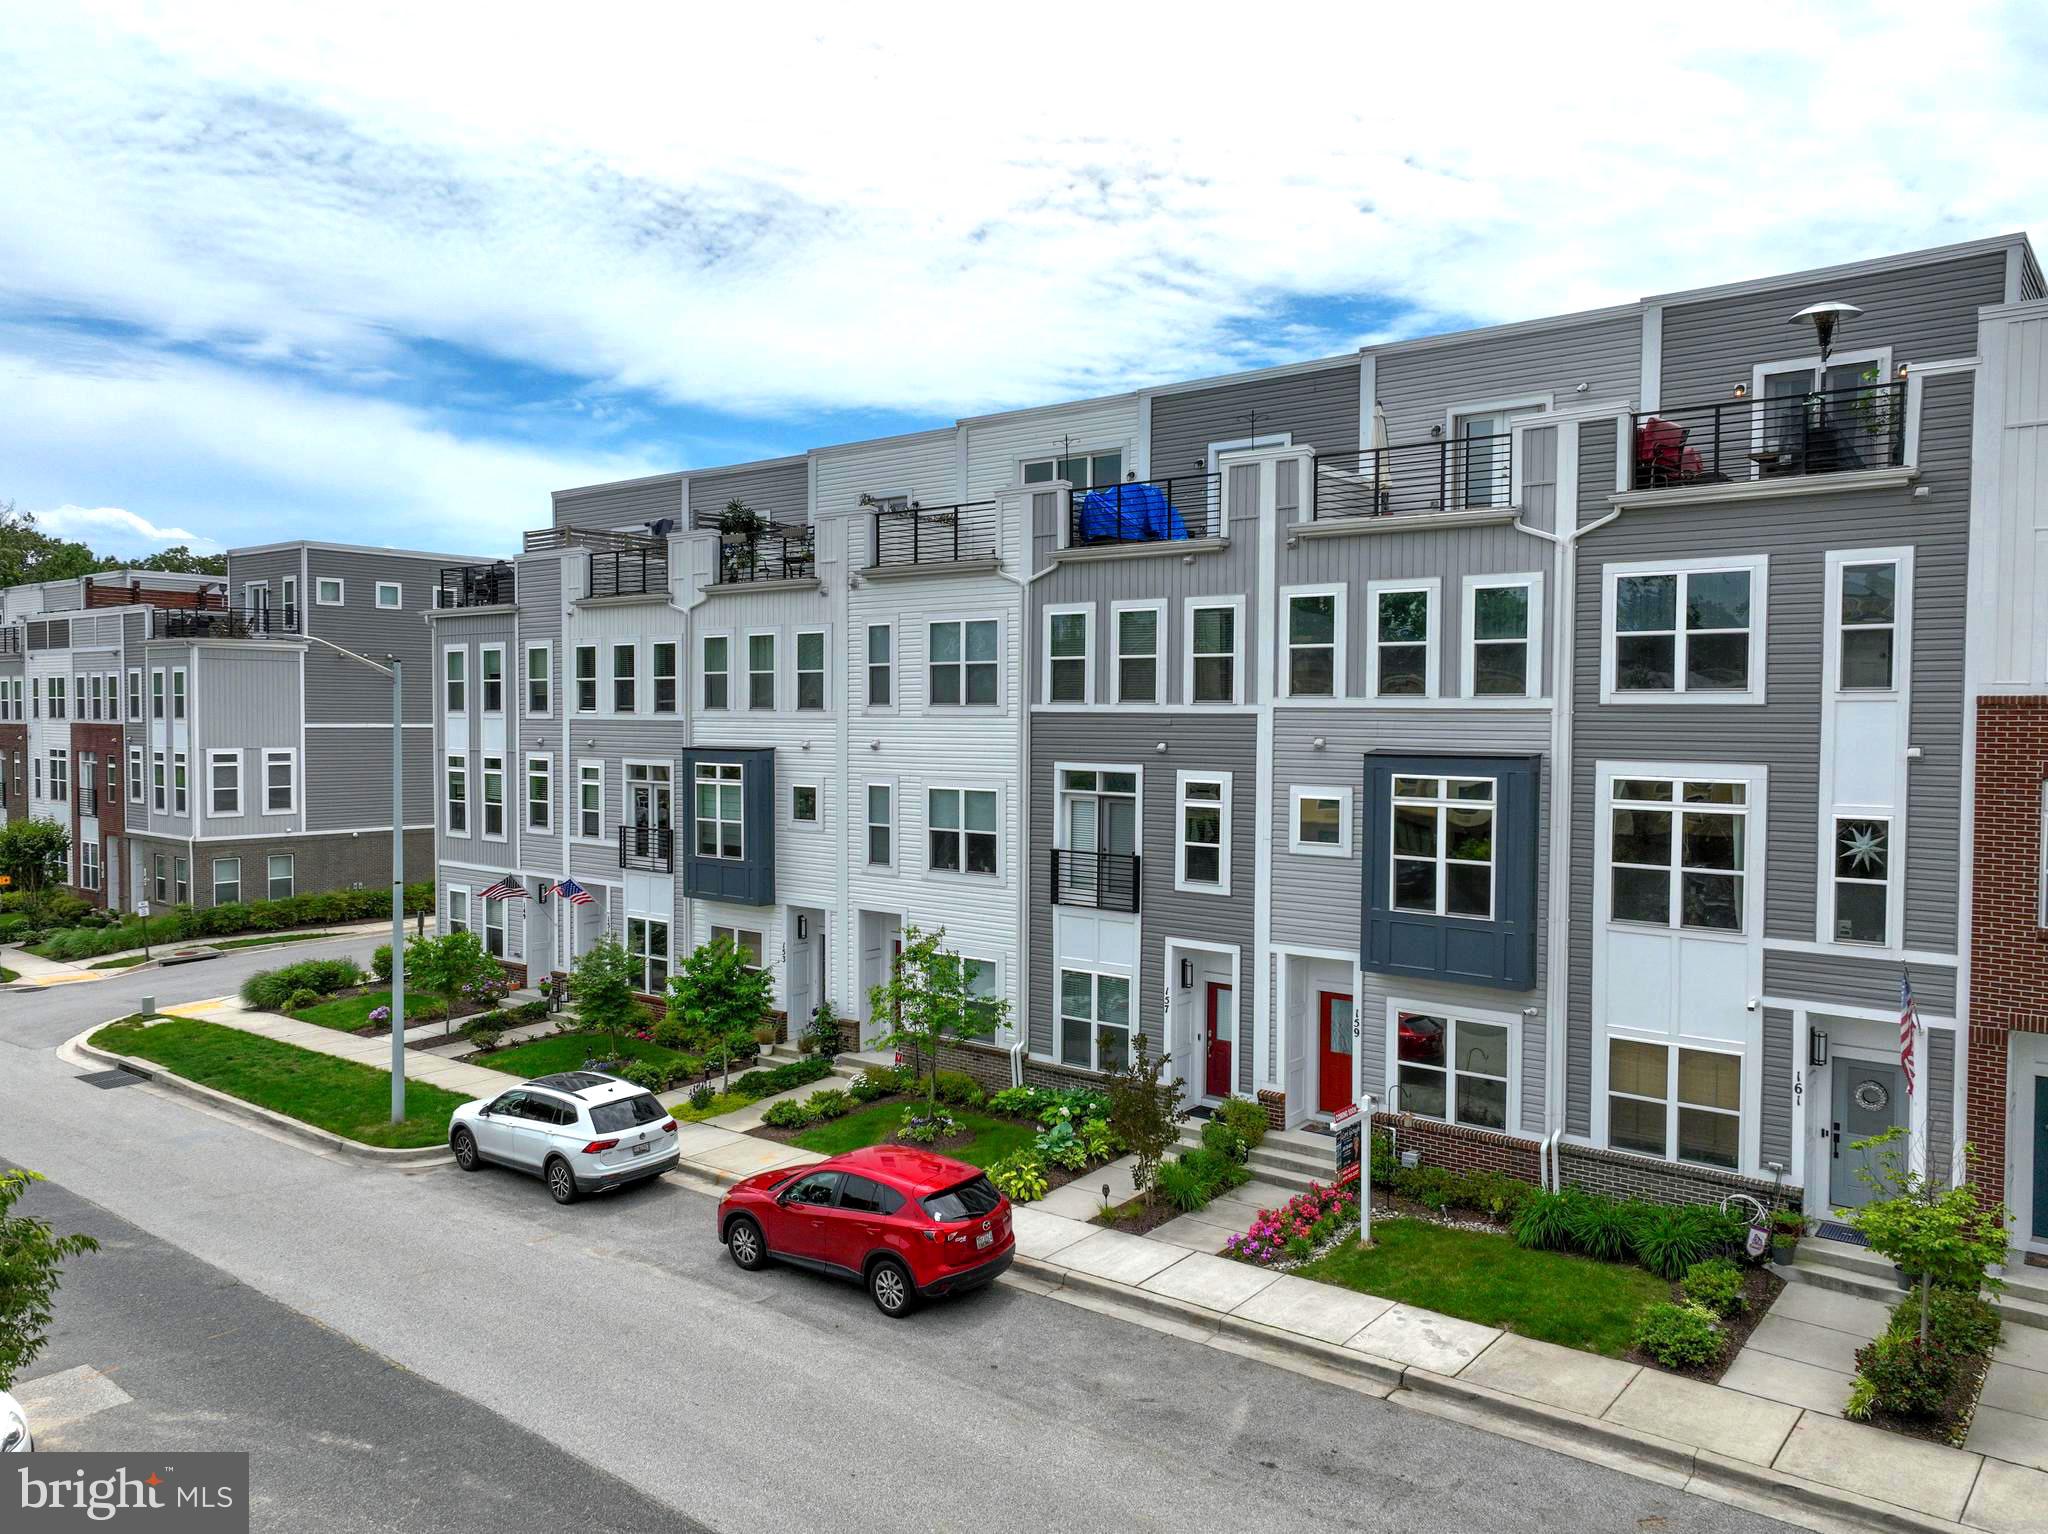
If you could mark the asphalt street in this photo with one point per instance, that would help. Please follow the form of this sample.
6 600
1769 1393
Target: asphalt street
463 1341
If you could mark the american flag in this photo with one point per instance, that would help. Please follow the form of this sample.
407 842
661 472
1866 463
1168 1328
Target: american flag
504 889
1909 1024
572 892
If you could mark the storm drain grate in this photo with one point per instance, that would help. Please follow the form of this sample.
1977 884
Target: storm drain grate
106 1081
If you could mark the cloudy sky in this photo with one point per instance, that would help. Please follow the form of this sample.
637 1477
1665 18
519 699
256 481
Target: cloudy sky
262 276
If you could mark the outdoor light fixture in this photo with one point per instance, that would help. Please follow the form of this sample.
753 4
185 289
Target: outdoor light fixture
1824 317
1319 742
1902 370
1817 1048
1160 748
803 927
1187 974
1742 391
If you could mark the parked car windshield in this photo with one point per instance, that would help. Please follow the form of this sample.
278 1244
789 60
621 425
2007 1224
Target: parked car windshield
969 1201
626 1113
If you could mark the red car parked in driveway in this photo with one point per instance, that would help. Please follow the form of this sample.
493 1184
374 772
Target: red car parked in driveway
906 1223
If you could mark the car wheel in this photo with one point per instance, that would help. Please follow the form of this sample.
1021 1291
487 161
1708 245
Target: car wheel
889 1287
561 1181
748 1246
464 1146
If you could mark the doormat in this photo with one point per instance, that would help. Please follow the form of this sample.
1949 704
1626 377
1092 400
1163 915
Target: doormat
1833 1232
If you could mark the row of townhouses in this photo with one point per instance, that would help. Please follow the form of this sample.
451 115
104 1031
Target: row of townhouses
211 740
1565 732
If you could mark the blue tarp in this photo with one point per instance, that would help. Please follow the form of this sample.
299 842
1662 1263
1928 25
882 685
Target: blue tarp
1136 513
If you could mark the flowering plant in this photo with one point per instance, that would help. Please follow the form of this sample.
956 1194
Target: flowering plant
380 1015
1294 1230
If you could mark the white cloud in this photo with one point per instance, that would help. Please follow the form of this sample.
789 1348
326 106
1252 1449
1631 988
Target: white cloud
762 210
113 529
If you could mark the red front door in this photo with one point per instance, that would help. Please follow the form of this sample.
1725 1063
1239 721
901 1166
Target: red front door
1335 1014
1218 1036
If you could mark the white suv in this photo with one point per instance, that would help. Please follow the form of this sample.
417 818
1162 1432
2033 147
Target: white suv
578 1131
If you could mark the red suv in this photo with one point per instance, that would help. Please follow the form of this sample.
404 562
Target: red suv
908 1224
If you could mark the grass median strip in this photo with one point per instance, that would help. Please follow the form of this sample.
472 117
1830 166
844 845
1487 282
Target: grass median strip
126 961
568 1051
338 1095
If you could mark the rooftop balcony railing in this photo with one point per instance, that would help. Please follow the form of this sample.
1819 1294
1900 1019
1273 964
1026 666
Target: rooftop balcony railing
257 621
928 535
1737 441
10 641
1415 478
1103 881
1146 511
777 554
492 585
629 572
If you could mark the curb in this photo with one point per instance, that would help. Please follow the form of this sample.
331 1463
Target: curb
324 1139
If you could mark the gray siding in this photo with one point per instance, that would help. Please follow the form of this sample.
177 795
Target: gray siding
246 697
346 691
1941 1103
348 779
1924 313
1777 1104
780 492
272 565
1417 385
1824 978
1194 741
1596 468
627 504
1318 406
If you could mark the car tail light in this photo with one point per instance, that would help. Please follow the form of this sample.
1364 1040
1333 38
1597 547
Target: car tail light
668 1127
595 1146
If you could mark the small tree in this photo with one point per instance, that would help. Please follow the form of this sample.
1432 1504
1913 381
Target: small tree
30 1257
718 998
928 1000
1145 1113
448 964
34 853
605 982
1940 1236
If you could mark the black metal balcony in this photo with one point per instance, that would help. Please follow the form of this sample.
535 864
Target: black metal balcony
258 622
777 554
492 585
1103 881
1415 478
10 641
1146 511
651 849
637 572
1737 441
930 535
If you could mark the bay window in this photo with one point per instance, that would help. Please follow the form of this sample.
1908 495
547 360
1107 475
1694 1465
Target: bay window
1443 854
719 788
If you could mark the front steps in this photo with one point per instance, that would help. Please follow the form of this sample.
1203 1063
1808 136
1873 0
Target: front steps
1850 1269
1286 1158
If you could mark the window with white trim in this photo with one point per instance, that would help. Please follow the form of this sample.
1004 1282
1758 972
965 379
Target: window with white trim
881 665
92 691
494 927
1203 864
1678 852
1320 824
457 796
283 875
163 886
1868 622
156 695
1685 630
717 669
540 793
662 666
134 696
803 804
810 671
586 679
60 775
1503 615
1135 633
1095 1020
1069 667
89 865
1862 877
1084 471
540 680
223 782
881 826
720 788
455 681
491 677
458 909
962 822
494 797
590 801
1314 657
1675 1103
1212 652
36 778
751 944
328 590
625 678
280 781
1402 652
59 703
1454 1068
963 664
227 880
159 780
178 798
647 942
1442 846
181 881
113 779
135 775
178 693
760 671
390 595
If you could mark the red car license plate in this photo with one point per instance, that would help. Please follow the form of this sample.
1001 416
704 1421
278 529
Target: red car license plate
641 1149
986 1239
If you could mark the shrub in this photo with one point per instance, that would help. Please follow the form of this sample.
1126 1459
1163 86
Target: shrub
1959 1322
1717 1285
426 1009
1100 1140
1218 1173
535 1011
482 1033
788 1114
1016 1102
1063 1146
960 1089
701 1096
1019 1177
1606 1228
1672 1239
649 1074
271 990
829 1104
1544 1222
1181 1186
304 997
821 1037
1246 1117
876 1082
1225 1141
1901 1376
380 963
923 1126
1678 1336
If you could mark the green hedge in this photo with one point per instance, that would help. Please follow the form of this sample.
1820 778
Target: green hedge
184 924
274 990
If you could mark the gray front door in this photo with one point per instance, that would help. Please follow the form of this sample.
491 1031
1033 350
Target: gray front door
1870 1097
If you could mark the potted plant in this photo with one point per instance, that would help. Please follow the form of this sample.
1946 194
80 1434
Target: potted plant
1787 1226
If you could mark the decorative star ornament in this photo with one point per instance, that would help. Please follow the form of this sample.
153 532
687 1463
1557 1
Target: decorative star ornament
1864 848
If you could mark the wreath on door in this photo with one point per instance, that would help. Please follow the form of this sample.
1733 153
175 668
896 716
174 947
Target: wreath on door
1871 1096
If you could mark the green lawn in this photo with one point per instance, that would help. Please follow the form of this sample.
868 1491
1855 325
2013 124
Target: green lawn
346 1013
994 1138
338 1095
259 942
1572 1301
127 961
8 977
568 1051
721 1102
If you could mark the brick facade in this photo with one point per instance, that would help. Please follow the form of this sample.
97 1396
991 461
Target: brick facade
14 744
2008 948
319 863
101 742
1460 1148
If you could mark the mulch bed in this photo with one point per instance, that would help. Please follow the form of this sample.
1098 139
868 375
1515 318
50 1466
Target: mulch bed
1134 1219
1951 1424
1760 1287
